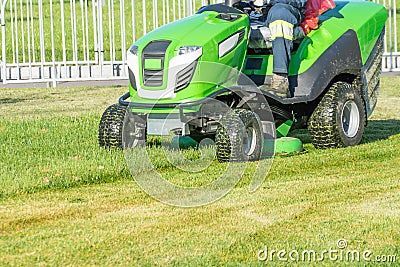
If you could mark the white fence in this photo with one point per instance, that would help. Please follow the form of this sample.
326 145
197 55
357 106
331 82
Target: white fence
82 40
391 57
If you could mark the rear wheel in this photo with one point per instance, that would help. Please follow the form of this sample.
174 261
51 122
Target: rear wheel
339 119
239 137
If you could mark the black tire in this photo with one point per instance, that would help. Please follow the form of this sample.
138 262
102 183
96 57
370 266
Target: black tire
239 137
339 119
121 129
110 126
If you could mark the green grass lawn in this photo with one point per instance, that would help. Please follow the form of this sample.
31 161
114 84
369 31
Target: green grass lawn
65 201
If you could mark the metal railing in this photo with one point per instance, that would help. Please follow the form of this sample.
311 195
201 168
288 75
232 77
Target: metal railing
81 40
391 56
77 40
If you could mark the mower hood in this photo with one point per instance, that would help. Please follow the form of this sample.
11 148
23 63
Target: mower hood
164 61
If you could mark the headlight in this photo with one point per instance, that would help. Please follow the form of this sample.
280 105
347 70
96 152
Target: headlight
134 50
188 49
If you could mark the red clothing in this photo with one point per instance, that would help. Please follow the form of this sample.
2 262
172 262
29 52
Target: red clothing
314 8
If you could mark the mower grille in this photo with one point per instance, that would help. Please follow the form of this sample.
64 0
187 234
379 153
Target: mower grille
184 77
153 77
154 51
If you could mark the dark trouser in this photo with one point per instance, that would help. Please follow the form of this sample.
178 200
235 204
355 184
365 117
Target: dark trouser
282 18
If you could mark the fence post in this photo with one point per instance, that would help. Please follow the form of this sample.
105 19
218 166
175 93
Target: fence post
390 35
100 45
144 17
53 52
3 42
189 8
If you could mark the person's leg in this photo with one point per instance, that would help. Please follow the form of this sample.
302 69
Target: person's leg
282 19
281 49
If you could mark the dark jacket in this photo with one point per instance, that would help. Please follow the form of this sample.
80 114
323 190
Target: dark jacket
297 7
299 4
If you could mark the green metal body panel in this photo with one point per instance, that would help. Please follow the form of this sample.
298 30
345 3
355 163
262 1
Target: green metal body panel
367 19
165 110
288 145
266 66
284 129
284 146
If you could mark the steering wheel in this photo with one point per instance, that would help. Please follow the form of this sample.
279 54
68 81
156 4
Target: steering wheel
247 6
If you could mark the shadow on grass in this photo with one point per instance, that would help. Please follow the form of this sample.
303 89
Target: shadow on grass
375 131
381 130
301 134
65 184
11 100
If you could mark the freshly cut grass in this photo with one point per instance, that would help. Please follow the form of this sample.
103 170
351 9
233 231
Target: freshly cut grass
47 143
64 201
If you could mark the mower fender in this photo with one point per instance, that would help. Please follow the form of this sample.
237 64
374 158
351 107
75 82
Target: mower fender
342 57
371 73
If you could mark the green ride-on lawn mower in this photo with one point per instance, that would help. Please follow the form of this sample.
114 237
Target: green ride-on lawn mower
208 75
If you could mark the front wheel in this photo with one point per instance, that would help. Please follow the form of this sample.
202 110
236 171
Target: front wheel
239 137
339 119
121 129
110 126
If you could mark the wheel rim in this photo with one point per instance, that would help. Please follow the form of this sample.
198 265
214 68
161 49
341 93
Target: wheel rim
130 134
250 141
350 119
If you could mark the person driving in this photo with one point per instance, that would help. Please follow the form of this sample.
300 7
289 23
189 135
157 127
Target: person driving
283 17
